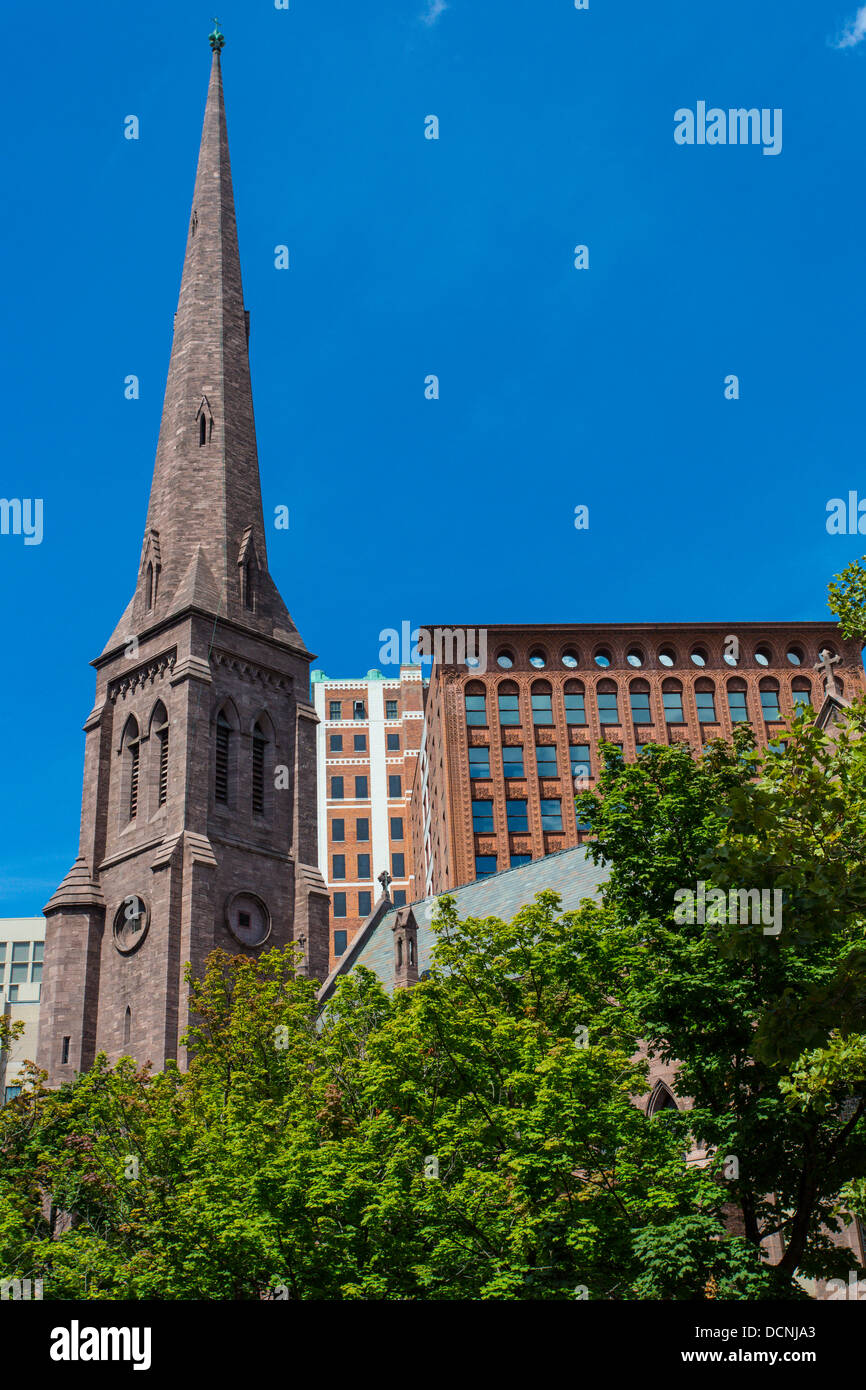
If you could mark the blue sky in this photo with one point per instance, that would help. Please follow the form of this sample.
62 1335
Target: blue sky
409 257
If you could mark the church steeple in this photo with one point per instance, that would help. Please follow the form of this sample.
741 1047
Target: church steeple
205 502
198 818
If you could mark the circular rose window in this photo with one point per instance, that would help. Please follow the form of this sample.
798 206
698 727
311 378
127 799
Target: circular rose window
131 921
248 919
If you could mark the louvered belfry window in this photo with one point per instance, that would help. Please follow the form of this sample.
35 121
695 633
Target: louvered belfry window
133 781
163 765
259 742
223 734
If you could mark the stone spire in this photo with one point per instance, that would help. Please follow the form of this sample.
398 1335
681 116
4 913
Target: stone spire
204 542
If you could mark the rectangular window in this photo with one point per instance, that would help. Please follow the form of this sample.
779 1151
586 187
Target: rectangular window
392 742
673 703
365 903
336 789
362 829
479 762
360 743
485 865
338 830
338 866
339 901
705 701
336 709
737 705
396 827
518 859
360 788
640 706
580 760
575 709
551 815
512 761
482 817
399 897
608 712
20 963
545 758
391 709
359 710
398 865
542 709
770 704
509 709
476 709
340 937
395 785
363 866
614 754
516 814
64 1050
10 1093
335 743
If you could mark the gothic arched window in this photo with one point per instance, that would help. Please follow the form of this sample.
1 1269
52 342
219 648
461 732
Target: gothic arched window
259 744
159 731
223 746
202 429
149 585
127 1026
130 754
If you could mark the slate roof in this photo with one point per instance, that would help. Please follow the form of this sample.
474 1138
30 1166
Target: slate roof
570 873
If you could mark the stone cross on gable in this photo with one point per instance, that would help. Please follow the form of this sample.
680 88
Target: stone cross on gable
385 880
826 664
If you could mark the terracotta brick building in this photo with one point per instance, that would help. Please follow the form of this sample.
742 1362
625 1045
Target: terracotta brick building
502 746
198 822
368 739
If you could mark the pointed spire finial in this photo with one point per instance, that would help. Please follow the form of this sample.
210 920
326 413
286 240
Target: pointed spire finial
217 38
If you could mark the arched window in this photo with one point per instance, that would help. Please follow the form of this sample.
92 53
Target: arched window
130 753
509 703
411 945
705 701
149 585
159 732
770 698
541 697
737 700
608 707
223 749
259 744
672 699
639 697
399 951
661 1099
476 703
127 1026
202 429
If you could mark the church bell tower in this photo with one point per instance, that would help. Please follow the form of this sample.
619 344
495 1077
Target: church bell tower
198 821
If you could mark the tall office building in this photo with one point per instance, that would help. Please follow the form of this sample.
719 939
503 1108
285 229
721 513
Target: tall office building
368 739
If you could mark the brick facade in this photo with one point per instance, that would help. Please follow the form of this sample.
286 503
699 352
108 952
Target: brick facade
362 835
552 700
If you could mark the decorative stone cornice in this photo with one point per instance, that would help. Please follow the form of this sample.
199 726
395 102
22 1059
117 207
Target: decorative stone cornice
145 674
251 670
